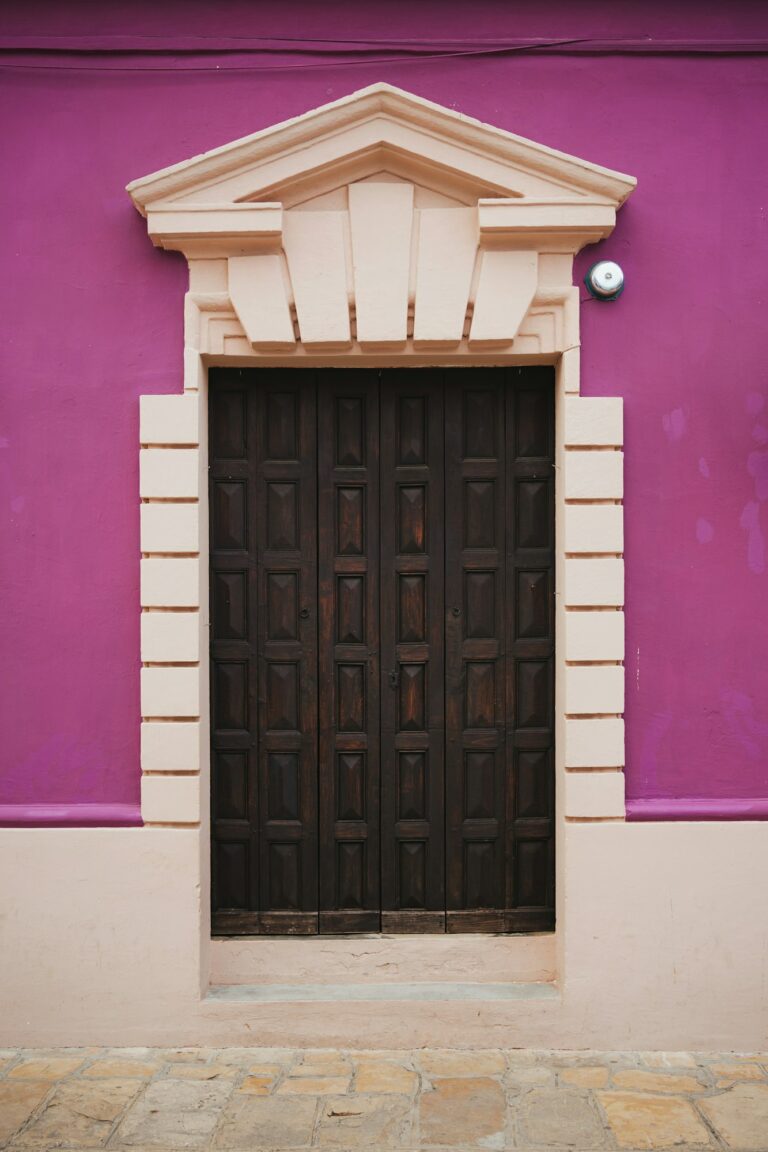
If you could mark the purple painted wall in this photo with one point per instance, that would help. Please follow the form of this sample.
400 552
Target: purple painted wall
92 318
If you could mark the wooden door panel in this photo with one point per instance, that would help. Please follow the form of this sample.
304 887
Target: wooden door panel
233 596
382 638
264 652
348 462
412 693
499 647
475 589
285 478
530 629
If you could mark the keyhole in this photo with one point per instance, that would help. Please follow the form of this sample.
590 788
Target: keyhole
456 611
304 613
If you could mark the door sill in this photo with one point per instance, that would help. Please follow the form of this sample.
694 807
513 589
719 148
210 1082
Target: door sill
411 991
374 958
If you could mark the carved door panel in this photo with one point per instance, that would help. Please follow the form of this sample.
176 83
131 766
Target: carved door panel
348 447
382 640
264 753
412 614
499 644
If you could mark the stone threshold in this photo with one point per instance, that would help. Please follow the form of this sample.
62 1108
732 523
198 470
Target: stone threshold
412 991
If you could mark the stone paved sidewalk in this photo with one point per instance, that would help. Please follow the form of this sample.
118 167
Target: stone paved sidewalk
257 1098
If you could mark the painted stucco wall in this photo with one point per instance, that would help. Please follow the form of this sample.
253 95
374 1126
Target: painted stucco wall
93 318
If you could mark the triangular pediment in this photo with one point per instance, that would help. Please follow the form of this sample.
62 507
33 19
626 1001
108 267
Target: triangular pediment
383 218
380 132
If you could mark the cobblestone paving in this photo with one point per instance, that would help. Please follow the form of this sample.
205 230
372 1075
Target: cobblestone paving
238 1099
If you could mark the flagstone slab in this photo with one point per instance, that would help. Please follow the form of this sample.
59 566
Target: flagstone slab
462 1111
257 1085
18 1100
265 1071
668 1059
251 1056
738 1071
589 1076
365 1122
441 1062
637 1080
321 1063
559 1118
314 1085
189 1055
520 1079
740 1116
174 1114
46 1068
250 1123
80 1113
121 1069
201 1072
641 1121
378 1076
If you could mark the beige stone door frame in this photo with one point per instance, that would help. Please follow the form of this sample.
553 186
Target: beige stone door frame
380 230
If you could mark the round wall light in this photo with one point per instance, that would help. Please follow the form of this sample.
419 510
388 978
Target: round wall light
605 280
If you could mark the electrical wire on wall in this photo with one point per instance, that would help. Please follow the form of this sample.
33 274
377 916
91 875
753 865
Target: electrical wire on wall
112 53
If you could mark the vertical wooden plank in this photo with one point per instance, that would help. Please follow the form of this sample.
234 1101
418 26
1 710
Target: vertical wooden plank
531 645
381 220
412 692
286 537
233 595
348 538
476 607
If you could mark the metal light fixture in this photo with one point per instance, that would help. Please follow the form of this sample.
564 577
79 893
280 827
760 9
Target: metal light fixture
605 280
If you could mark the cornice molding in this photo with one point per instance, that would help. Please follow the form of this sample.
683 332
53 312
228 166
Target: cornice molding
387 108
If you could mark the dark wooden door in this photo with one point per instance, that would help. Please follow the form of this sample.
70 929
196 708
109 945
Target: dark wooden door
382 641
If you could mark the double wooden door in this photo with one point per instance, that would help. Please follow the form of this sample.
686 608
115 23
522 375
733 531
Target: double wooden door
382 624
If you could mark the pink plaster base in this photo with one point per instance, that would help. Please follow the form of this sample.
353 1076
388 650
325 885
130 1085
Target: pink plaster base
660 945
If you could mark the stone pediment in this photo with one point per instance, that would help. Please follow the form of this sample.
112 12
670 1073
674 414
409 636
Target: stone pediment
382 217
377 129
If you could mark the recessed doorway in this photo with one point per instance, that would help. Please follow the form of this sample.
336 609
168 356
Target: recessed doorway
382 650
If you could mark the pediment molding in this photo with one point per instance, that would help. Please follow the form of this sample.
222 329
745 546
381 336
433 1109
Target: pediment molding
382 222
372 126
